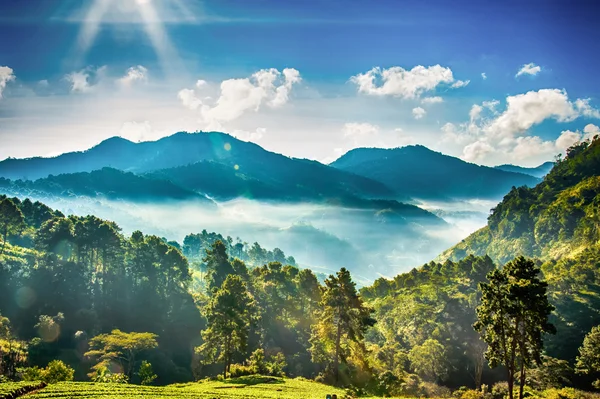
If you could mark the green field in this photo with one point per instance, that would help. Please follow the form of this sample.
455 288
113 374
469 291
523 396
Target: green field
241 388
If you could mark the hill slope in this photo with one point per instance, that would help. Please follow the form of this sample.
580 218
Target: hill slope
538 171
559 218
183 149
107 182
418 172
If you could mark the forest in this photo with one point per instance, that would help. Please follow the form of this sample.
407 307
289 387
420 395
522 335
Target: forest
79 300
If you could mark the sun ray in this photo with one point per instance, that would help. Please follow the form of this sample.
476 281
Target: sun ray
91 25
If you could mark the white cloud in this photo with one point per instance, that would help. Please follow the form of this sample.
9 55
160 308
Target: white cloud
237 96
189 99
475 112
419 112
529 69
245 135
591 131
359 130
477 151
134 74
526 110
398 130
460 83
6 75
43 83
585 109
432 100
399 82
483 76
83 81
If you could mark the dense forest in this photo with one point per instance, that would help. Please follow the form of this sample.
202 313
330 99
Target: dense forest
144 309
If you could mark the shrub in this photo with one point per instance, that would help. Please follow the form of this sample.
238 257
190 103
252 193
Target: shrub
500 390
472 394
276 365
146 374
240 370
102 374
55 371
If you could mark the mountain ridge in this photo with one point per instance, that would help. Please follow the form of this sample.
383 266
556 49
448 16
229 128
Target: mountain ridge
419 172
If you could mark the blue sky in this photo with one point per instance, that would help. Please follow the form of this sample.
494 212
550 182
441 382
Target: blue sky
287 74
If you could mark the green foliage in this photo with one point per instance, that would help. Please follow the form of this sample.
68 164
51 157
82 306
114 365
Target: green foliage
557 218
119 348
146 373
429 360
343 321
55 371
229 315
588 361
512 318
12 221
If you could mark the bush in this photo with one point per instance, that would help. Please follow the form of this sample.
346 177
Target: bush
55 371
567 393
432 390
146 374
472 394
102 374
500 390
240 370
276 365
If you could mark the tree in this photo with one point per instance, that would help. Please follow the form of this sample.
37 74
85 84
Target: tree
12 220
343 320
588 361
229 314
120 347
429 360
57 371
146 373
512 318
217 265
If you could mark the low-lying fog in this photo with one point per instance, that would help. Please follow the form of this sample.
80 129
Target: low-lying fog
323 238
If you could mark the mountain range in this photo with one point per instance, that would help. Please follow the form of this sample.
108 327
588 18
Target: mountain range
539 171
419 172
222 167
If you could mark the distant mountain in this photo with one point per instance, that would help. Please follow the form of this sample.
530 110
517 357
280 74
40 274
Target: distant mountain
539 171
106 183
418 172
559 218
209 162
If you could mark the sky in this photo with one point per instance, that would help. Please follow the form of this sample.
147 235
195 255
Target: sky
492 82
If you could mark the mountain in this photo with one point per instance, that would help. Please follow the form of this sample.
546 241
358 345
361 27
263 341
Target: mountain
539 171
106 182
191 161
418 172
557 219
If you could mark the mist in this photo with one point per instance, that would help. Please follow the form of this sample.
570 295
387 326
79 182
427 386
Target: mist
321 237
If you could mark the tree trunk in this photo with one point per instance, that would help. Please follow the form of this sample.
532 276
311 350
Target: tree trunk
336 362
3 243
522 379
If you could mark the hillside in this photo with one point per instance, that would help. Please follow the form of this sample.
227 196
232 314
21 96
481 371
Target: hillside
106 183
539 171
292 176
416 171
558 218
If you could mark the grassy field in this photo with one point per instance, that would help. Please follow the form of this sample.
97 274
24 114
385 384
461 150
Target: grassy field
241 388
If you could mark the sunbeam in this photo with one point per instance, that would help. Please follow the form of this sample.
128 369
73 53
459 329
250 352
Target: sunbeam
151 15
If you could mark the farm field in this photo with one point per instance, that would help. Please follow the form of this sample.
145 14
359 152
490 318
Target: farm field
236 388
